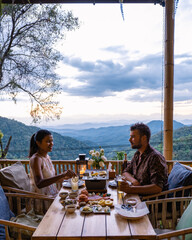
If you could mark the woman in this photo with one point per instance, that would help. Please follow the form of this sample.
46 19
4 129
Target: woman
42 172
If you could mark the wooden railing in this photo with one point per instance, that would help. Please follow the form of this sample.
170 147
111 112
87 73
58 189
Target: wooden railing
62 165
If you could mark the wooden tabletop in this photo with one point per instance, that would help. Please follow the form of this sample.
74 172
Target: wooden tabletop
57 224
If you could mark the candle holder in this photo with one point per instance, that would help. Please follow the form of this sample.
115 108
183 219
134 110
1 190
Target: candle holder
82 165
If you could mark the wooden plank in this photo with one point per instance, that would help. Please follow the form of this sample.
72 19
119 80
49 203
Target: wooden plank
117 227
94 227
50 224
71 227
142 228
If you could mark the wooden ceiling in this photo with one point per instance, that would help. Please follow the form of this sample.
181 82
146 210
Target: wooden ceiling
161 2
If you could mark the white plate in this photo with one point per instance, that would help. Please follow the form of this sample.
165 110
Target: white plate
102 211
82 211
141 210
67 184
112 183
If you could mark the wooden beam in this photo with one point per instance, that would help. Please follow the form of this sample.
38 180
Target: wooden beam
169 77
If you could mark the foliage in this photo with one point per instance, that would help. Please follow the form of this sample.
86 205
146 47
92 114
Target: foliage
68 148
28 34
3 152
97 158
119 155
65 148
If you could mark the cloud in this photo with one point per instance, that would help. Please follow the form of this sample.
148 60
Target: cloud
106 77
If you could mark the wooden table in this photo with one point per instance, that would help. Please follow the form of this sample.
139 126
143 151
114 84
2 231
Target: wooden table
57 224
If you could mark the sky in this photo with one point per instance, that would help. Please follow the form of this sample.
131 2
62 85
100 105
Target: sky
112 70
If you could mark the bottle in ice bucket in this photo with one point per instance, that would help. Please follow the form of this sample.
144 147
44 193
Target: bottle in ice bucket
74 184
120 194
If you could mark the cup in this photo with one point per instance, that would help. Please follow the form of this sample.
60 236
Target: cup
120 194
74 184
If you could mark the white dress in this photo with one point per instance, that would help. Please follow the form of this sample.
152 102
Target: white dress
47 171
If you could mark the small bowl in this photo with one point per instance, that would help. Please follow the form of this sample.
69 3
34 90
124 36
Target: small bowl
73 195
62 201
63 195
131 201
70 201
71 208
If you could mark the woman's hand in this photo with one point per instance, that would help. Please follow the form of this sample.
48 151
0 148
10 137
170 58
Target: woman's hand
68 174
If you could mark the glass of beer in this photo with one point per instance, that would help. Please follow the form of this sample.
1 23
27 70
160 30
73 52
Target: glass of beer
120 194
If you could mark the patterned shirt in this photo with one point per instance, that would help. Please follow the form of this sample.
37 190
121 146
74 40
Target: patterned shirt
150 168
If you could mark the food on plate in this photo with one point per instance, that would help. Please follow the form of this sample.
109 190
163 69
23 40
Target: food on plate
93 174
84 191
102 173
108 203
99 208
69 201
93 202
83 198
73 195
82 204
86 209
70 208
101 202
106 209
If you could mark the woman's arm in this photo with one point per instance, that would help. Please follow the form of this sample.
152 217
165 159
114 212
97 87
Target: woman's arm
40 181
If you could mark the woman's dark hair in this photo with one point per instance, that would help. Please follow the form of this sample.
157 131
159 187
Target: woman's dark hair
38 136
143 130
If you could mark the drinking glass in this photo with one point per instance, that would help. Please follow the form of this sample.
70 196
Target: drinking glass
74 184
120 194
132 202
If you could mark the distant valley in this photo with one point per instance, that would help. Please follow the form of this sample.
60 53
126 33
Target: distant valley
112 135
68 143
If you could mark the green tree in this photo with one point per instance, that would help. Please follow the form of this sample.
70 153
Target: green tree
28 34
3 152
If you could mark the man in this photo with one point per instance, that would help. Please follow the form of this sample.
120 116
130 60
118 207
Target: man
147 171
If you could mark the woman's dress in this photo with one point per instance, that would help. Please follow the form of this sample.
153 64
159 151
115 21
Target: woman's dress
47 171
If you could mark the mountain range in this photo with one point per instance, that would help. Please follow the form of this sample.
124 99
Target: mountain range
69 143
112 135
65 147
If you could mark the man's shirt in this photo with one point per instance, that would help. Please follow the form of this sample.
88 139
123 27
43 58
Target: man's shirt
149 168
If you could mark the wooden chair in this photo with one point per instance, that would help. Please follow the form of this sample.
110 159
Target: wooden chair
165 218
173 193
22 203
180 183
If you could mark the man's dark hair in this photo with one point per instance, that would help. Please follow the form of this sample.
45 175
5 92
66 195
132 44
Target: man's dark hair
143 130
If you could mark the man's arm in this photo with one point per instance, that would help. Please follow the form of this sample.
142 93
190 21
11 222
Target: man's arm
142 190
131 179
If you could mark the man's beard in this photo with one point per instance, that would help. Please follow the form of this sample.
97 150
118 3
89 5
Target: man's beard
138 146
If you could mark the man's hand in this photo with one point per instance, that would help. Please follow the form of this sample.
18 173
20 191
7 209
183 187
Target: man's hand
124 186
130 178
135 183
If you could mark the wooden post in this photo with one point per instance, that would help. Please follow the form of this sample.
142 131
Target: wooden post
169 78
